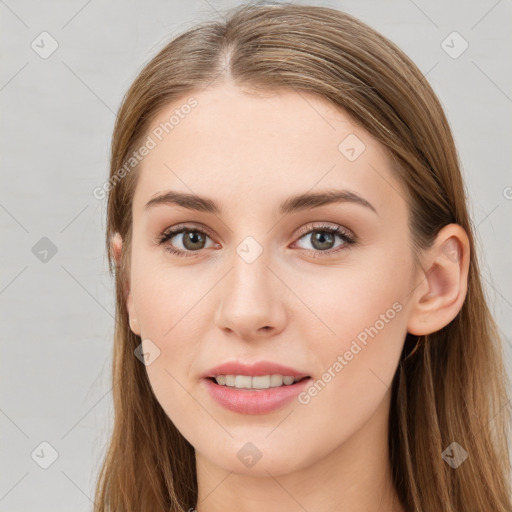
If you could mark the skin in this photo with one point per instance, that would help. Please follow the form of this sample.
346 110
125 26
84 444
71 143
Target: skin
250 152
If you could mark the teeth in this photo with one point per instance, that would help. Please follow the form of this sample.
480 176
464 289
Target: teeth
259 382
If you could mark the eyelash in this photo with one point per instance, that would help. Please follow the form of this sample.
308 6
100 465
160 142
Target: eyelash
348 239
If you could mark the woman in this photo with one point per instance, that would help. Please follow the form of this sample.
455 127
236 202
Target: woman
301 323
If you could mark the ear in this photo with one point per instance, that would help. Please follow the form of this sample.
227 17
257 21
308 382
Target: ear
116 246
438 298
134 323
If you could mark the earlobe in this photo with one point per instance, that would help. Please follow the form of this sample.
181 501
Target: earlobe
116 246
439 296
134 323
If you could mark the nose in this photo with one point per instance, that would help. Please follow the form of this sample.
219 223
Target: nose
251 301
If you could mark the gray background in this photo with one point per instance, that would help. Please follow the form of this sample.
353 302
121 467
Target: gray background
56 123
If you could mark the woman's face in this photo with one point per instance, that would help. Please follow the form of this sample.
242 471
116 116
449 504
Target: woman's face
262 279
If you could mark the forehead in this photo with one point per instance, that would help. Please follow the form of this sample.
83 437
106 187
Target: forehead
254 148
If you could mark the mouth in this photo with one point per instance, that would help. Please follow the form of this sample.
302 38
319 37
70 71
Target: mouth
256 382
248 395
254 388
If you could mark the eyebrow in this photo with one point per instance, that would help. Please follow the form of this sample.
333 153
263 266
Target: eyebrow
292 204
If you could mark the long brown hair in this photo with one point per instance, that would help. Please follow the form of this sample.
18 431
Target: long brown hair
452 388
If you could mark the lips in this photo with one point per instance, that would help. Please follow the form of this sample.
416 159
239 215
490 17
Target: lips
256 369
253 402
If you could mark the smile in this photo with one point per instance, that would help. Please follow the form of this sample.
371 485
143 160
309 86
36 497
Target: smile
251 400
256 382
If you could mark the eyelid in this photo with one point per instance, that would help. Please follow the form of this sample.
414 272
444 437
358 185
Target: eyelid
346 235
325 225
185 226
302 231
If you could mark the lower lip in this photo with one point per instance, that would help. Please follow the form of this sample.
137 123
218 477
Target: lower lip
248 401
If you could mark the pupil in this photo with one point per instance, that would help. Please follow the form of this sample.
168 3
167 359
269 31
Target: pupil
192 238
321 237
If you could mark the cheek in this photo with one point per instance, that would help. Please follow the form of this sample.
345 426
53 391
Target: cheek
356 365
165 296
169 305
343 302
360 321
171 314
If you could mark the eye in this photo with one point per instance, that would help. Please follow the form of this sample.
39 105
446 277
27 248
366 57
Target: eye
192 240
322 239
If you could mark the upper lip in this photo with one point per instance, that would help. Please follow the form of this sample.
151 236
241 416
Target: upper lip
256 369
